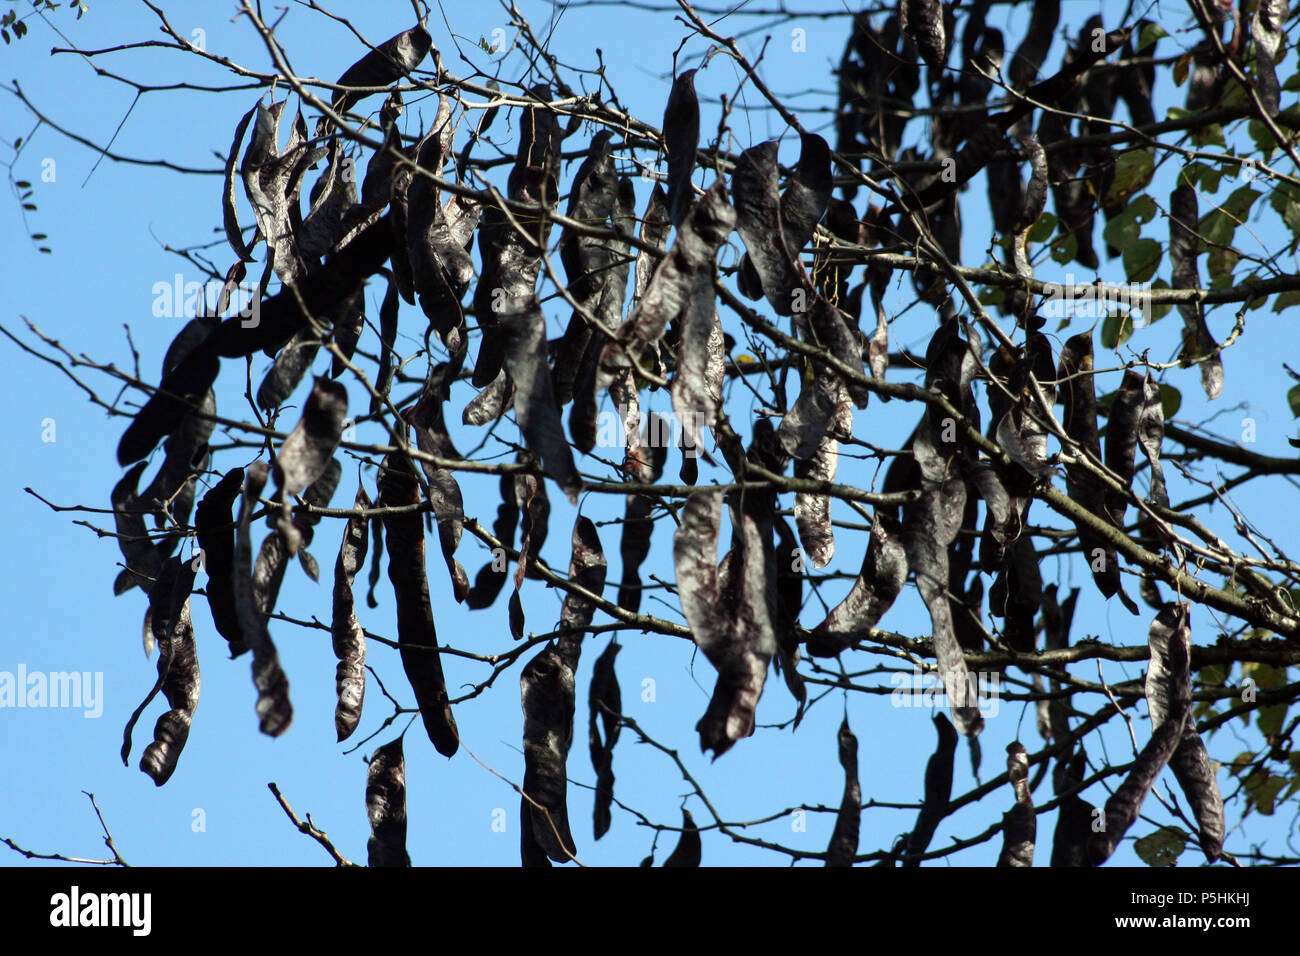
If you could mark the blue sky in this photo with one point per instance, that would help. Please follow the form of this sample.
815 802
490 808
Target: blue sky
109 225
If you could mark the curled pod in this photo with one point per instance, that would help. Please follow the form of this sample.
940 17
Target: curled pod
386 806
878 584
1019 825
733 629
1170 683
274 710
347 634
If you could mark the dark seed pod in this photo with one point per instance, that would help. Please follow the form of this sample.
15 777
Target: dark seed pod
273 556
1076 391
1268 30
1184 243
181 391
689 264
938 791
273 708
1171 693
386 806
385 64
647 466
530 853
143 559
733 630
548 701
347 634
606 705
524 348
844 840
416 635
681 137
1075 819
444 491
929 528
215 522
1190 762
308 450
922 20
490 579
587 569
178 672
689 849
1019 825
1121 441
879 582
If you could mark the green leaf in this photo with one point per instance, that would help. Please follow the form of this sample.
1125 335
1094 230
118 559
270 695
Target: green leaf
1221 262
1216 229
1043 229
1239 203
1211 135
1285 200
1207 177
1234 94
1065 248
1116 330
1293 399
1270 718
1143 208
1141 259
1133 172
992 295
1149 35
1261 137
1240 762
1286 299
1122 230
1162 847
1264 675
1213 675
1170 400
1263 789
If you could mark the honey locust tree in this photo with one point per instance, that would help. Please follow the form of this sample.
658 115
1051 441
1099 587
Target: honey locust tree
735 376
